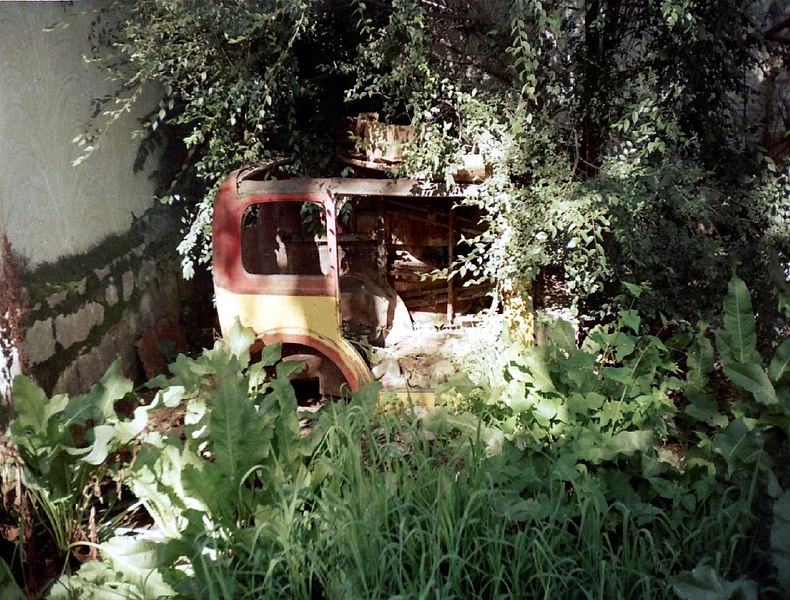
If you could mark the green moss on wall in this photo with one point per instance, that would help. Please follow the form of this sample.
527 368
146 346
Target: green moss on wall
72 282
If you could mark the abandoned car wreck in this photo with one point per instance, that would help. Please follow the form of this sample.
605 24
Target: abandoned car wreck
329 267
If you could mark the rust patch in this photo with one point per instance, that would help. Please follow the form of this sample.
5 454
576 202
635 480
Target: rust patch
159 344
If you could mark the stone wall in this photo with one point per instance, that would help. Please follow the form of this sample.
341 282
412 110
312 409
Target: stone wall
88 310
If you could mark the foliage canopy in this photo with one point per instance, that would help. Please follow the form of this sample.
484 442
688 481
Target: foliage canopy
623 135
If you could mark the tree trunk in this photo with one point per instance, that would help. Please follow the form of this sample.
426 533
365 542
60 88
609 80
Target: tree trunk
601 38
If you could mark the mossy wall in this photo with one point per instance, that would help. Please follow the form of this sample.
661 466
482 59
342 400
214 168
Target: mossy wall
90 309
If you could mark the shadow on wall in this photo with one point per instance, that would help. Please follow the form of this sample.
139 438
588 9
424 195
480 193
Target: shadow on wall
49 207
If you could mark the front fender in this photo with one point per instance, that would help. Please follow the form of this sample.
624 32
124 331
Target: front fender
340 352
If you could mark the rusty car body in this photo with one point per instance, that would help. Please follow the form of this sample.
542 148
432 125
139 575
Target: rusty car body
286 267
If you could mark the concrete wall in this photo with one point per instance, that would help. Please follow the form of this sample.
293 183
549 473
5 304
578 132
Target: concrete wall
96 283
48 208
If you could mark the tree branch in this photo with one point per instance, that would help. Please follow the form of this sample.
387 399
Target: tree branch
773 31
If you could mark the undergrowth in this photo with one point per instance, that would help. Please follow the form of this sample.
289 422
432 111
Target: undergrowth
634 466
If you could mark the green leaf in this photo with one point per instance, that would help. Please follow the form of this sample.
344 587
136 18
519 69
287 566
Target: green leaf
287 368
780 540
666 488
217 492
97 452
630 319
634 290
588 446
618 485
580 371
752 378
235 439
156 480
707 414
516 397
548 408
459 383
186 372
624 347
700 362
130 569
562 334
98 404
628 442
239 341
440 421
9 588
538 373
521 510
95 579
582 404
271 354
779 368
624 375
125 431
737 341
139 562
33 408
739 444
171 396
704 584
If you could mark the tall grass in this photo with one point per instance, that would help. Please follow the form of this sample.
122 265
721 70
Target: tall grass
397 516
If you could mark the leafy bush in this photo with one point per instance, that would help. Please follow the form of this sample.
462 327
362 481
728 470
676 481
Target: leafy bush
240 455
69 448
240 83
612 157
618 152
634 423
628 467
